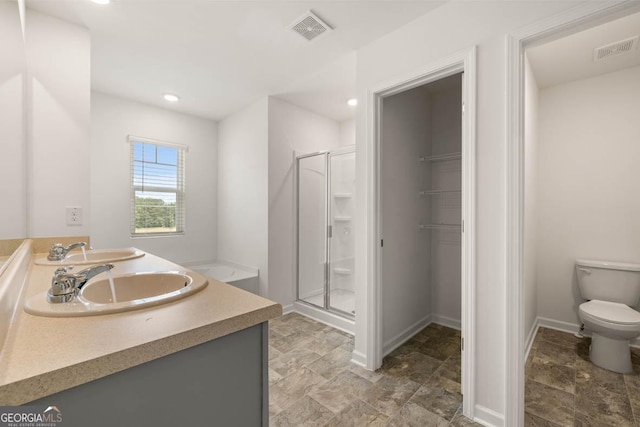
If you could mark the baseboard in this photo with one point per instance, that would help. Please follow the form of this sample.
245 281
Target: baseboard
286 309
488 417
323 316
359 359
404 336
446 321
572 328
532 335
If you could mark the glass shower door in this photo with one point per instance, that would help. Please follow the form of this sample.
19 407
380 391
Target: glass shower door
342 169
312 229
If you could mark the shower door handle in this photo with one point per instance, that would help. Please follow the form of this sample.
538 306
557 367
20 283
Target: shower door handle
329 231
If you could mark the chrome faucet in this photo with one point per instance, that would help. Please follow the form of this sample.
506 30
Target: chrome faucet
57 252
65 286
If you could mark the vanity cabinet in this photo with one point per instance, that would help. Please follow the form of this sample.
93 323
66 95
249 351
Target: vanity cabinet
222 382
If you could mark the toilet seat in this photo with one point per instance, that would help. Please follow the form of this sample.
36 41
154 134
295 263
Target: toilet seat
611 312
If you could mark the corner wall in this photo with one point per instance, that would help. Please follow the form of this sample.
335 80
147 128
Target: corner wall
588 203
112 120
13 71
58 61
243 190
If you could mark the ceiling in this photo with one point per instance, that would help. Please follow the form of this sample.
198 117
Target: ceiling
571 58
220 56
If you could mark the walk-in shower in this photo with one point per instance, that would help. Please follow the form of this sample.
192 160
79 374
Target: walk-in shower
325 238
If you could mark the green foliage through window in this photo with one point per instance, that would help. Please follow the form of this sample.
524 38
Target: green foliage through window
157 174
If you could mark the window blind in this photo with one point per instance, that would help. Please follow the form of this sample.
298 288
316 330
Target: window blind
157 187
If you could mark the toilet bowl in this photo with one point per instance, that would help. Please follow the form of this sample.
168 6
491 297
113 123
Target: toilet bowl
612 326
612 288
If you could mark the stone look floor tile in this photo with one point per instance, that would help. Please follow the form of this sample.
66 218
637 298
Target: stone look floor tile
372 376
293 360
600 406
305 412
412 415
462 421
531 420
415 366
591 378
560 338
440 396
554 353
341 391
552 374
441 348
389 394
359 414
450 369
549 403
332 363
312 378
295 386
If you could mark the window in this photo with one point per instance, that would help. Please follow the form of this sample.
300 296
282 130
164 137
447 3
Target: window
157 187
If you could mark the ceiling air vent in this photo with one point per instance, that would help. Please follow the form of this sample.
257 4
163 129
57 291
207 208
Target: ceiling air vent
616 48
310 26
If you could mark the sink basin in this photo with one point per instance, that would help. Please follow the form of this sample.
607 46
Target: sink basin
141 286
95 256
130 292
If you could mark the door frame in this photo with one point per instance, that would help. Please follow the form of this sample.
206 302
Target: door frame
462 61
578 18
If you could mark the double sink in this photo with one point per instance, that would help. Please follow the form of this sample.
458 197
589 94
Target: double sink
105 294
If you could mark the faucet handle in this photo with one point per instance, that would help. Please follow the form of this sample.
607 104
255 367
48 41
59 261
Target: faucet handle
62 270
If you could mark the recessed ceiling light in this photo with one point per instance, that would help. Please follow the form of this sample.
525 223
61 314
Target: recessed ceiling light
352 102
101 1
171 97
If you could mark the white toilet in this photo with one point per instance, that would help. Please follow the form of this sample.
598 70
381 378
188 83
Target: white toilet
612 288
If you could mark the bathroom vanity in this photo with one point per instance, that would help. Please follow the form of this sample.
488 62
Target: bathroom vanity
200 360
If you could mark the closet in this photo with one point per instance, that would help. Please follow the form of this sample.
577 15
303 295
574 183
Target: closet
421 193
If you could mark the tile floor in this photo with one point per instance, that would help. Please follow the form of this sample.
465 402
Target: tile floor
313 383
563 388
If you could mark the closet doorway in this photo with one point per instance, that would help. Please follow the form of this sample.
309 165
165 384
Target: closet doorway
421 206
423 138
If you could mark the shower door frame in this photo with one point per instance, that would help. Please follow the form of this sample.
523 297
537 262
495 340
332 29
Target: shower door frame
327 253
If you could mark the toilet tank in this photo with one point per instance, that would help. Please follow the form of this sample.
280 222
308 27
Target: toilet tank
609 281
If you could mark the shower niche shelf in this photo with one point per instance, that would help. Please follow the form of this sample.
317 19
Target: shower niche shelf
342 195
342 271
342 218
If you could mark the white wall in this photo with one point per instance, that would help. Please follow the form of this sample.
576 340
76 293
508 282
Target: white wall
530 198
446 256
243 189
406 293
12 124
588 183
348 132
442 32
58 58
291 129
112 120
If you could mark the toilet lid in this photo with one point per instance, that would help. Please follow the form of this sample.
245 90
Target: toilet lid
612 312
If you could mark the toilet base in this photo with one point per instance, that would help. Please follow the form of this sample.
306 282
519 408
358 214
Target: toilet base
610 354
